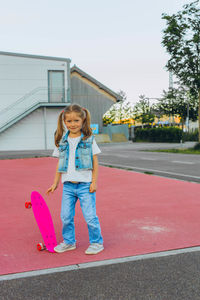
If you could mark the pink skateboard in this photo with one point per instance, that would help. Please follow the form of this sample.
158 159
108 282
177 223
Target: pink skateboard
44 221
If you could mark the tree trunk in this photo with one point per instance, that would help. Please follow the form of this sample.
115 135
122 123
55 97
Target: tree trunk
199 116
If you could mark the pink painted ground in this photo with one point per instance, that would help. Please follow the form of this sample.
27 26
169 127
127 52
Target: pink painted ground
138 213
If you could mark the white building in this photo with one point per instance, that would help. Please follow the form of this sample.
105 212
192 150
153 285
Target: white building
33 90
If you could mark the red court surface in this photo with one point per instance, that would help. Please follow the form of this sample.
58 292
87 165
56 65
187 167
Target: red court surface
138 213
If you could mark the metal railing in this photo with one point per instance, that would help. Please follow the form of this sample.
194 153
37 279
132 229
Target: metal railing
26 103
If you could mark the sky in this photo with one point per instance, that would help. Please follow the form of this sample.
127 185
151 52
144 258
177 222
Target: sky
118 42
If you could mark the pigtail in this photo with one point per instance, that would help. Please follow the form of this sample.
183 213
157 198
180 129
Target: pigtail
86 129
60 129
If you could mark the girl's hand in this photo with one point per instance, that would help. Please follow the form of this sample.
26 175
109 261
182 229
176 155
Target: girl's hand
93 187
52 189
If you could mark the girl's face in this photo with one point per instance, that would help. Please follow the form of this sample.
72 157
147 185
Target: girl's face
74 123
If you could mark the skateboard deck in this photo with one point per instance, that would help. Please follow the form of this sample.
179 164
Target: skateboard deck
44 221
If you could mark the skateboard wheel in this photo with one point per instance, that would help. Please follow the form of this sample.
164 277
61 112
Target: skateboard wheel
28 204
40 246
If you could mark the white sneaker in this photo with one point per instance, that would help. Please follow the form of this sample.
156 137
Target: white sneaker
94 249
62 247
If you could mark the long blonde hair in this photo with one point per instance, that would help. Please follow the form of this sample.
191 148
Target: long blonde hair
83 113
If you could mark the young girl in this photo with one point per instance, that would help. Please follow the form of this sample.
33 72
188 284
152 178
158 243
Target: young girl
78 167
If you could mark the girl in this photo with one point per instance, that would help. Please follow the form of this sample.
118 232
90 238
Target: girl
78 167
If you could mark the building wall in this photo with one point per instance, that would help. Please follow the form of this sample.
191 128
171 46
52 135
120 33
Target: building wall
29 133
22 75
88 95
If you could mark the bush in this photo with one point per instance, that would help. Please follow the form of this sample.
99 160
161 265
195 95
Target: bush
197 146
190 136
161 134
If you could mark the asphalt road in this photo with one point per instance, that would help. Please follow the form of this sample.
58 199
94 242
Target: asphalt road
174 277
133 156
169 277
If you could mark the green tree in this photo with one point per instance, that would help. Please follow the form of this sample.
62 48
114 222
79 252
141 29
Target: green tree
120 107
119 111
179 101
123 95
181 40
143 111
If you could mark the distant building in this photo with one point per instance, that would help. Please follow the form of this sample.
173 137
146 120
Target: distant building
33 91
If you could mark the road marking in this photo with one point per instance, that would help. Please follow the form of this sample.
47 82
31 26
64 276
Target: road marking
148 158
183 162
121 155
147 170
100 263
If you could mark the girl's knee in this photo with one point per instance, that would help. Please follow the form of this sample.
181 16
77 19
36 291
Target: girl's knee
91 220
66 219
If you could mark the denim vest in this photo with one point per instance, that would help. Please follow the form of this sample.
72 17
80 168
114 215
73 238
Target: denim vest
83 154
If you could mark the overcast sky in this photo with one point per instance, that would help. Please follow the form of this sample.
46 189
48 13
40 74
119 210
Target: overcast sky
118 42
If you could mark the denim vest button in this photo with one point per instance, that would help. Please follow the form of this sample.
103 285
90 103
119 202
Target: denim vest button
77 167
77 157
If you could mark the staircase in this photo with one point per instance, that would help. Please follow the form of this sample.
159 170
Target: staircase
24 106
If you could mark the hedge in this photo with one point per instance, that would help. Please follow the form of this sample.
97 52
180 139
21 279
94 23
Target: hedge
160 134
191 136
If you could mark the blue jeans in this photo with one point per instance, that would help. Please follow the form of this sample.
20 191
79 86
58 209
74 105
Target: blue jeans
71 193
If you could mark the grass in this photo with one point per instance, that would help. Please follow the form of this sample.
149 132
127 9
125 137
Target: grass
193 150
148 173
180 151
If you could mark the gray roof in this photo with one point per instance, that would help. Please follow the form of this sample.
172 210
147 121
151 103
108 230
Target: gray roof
35 56
99 84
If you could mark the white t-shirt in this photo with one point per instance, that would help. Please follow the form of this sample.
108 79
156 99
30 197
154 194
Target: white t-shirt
72 174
